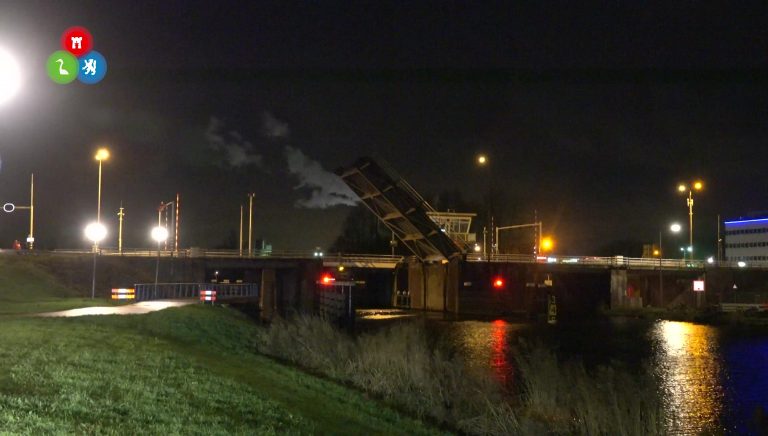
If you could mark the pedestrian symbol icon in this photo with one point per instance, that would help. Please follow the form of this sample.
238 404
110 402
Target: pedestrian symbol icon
93 67
62 67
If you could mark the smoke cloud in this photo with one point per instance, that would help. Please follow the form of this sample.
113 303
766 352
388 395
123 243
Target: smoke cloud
274 128
236 150
326 189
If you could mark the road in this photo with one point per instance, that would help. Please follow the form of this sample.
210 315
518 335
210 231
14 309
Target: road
131 309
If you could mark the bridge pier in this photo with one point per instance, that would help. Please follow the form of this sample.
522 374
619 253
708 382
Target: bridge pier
268 294
619 291
434 286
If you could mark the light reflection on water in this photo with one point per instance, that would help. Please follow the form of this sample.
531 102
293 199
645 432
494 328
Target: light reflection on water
488 344
687 359
711 381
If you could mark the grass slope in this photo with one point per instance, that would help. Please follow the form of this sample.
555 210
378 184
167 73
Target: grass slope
184 371
27 288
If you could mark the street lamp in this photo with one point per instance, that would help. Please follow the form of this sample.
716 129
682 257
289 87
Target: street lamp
681 188
10 76
674 228
95 232
159 234
483 161
547 244
102 154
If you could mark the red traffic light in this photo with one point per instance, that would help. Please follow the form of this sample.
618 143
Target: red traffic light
498 283
327 279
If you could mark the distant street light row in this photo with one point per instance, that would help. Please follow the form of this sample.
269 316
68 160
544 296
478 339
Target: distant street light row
546 243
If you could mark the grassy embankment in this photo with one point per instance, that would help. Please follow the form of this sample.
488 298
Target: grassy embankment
179 371
402 366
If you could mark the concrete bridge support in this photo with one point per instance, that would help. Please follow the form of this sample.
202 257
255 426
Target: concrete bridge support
434 286
619 297
268 294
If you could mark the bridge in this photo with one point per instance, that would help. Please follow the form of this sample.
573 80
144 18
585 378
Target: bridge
443 273
386 261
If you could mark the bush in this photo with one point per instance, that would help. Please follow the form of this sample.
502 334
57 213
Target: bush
572 400
399 365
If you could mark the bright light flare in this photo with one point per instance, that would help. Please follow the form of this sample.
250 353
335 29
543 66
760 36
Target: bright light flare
159 234
327 279
101 154
698 186
498 282
547 244
682 188
675 227
95 232
10 76
482 159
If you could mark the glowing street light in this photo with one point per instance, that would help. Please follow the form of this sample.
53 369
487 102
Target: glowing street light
102 154
674 228
547 244
95 232
482 159
681 188
159 234
10 76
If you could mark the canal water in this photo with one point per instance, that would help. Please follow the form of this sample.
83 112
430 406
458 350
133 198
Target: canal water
714 379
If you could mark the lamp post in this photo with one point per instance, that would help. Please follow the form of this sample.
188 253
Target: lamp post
95 232
681 188
250 224
483 161
674 228
159 234
102 154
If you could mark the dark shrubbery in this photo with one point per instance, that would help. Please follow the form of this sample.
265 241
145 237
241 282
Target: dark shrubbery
399 365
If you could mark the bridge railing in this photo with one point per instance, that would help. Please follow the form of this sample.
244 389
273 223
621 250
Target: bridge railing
332 259
276 254
150 291
616 261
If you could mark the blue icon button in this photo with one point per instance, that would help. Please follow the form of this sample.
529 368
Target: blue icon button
93 68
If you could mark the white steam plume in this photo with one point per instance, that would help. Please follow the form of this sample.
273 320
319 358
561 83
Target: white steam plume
274 128
326 188
237 151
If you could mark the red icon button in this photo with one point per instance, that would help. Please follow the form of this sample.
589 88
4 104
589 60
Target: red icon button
77 40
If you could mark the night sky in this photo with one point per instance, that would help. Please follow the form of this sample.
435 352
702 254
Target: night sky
591 113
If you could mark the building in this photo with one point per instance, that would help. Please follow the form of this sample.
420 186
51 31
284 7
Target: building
746 239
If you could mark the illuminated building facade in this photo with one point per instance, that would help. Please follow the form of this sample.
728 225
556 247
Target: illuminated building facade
746 239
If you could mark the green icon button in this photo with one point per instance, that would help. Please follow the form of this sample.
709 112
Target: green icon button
62 67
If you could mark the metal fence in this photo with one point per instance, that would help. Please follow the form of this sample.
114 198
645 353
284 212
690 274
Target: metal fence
617 261
150 291
388 261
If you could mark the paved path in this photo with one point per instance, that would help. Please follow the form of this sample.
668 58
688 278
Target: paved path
131 309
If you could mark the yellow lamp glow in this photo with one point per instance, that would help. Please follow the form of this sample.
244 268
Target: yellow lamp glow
102 154
547 244
698 186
